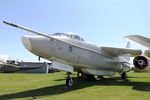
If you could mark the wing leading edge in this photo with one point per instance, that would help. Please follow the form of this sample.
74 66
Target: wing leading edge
110 50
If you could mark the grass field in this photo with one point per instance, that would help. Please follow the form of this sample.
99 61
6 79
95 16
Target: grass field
18 86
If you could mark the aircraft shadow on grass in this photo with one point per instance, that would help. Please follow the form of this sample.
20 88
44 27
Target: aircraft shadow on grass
78 84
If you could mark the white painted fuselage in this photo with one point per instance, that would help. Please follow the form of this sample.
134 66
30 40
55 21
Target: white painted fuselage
87 56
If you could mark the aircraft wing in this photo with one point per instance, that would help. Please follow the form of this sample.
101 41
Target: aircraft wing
139 39
110 50
120 51
50 37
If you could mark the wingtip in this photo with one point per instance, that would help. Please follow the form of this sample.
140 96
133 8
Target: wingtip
11 24
129 36
5 22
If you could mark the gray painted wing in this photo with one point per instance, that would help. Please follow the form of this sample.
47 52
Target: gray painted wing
121 51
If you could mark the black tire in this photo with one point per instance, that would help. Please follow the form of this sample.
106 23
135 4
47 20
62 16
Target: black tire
69 82
124 76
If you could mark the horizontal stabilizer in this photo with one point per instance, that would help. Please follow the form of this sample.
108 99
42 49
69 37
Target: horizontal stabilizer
139 39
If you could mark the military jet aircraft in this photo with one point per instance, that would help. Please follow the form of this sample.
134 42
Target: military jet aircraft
69 51
8 64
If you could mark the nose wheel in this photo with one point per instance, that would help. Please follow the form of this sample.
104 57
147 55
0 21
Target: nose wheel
124 76
69 81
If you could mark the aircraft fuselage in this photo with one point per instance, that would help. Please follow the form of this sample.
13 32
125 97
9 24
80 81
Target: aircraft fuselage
84 55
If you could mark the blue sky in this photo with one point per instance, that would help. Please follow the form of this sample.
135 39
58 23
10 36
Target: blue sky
104 22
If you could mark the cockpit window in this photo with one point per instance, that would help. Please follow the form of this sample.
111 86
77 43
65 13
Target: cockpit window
61 34
77 37
82 39
58 34
69 35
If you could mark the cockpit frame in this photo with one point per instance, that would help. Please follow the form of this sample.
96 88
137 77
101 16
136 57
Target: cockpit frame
69 35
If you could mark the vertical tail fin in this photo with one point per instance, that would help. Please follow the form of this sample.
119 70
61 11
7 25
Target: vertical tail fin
127 56
128 44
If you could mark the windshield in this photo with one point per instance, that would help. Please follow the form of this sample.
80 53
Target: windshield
69 35
60 34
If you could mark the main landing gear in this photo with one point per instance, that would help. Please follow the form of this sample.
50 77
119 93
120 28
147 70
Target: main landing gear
83 76
124 76
80 75
69 81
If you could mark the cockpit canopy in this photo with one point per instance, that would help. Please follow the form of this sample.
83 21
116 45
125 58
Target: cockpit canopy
69 35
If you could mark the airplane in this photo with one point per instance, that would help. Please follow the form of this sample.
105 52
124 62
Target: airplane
8 64
69 51
145 57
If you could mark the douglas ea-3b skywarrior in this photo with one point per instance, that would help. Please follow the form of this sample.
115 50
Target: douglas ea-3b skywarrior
69 51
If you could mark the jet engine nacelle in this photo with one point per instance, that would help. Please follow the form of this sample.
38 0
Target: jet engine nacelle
141 62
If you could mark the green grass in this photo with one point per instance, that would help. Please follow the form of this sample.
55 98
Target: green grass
20 86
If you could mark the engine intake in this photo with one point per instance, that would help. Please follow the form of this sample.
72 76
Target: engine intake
141 62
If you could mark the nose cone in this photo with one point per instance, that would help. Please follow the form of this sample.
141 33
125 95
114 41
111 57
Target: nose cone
27 42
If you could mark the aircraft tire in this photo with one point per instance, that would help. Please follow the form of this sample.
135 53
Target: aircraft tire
69 82
124 76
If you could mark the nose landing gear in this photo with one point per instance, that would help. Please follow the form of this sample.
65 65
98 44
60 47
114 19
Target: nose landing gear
69 81
123 76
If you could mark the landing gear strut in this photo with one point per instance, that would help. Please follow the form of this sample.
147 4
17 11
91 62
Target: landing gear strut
124 76
101 77
69 81
84 76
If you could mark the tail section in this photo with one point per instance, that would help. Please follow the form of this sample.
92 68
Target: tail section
128 44
127 56
139 39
